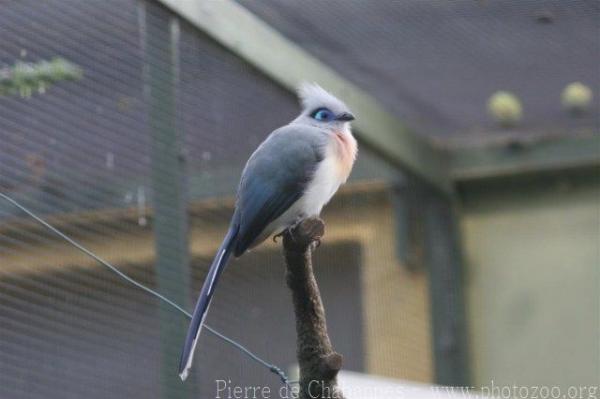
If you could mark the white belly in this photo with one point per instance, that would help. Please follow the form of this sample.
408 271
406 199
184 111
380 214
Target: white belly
331 172
323 186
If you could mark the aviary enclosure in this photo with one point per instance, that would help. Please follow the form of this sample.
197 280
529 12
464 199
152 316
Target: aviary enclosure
462 252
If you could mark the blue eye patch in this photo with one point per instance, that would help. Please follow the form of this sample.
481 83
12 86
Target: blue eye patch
323 115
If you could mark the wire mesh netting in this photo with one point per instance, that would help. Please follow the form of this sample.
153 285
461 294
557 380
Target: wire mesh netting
127 127
85 154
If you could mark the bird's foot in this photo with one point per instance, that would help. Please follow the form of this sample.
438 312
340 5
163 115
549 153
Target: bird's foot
294 227
276 236
304 234
289 230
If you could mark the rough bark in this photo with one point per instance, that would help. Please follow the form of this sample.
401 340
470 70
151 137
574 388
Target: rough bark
319 363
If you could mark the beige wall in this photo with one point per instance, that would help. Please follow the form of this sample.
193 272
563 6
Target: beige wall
533 283
395 300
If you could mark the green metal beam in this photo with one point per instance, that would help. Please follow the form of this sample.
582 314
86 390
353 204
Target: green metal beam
169 198
286 63
514 158
445 265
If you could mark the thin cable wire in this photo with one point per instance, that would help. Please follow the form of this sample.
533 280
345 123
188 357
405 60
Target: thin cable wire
271 367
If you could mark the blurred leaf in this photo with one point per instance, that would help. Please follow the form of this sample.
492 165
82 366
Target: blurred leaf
25 78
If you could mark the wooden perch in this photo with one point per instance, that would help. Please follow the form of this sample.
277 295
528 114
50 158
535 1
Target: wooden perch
319 363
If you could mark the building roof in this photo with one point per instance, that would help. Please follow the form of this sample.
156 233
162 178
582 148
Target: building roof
436 63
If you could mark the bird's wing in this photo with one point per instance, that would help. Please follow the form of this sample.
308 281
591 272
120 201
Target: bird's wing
274 178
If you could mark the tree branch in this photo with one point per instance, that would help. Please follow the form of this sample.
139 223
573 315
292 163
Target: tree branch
319 363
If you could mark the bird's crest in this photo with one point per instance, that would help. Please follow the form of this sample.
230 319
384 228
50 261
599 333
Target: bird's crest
313 96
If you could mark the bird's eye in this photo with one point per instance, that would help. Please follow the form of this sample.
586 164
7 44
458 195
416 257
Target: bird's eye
322 114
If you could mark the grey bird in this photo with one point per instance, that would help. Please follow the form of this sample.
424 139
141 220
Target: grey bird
289 178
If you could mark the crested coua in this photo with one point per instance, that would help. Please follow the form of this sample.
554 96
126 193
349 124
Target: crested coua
289 178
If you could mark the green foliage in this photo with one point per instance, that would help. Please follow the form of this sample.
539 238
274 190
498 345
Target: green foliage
25 78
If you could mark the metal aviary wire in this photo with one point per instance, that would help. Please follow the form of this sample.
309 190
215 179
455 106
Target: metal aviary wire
271 367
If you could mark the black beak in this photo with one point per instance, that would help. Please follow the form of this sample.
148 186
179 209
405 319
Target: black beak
346 117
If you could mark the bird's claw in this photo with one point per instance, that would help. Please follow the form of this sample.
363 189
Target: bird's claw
290 230
276 236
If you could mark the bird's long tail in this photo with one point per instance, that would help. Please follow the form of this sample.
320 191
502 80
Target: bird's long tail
208 289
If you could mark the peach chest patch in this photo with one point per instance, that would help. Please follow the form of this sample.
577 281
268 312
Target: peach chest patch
345 152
